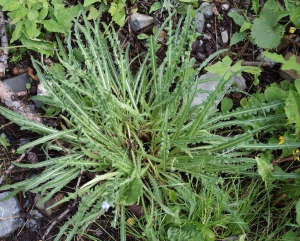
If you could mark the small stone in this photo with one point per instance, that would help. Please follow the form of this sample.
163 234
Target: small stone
208 25
41 90
31 223
207 9
24 141
224 36
206 36
225 6
297 39
10 215
201 21
139 21
17 83
265 59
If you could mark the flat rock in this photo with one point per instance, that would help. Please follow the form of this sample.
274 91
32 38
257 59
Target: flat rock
17 83
290 74
139 21
201 21
210 85
10 217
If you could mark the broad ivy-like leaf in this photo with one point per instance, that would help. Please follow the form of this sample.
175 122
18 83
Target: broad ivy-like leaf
265 30
237 37
93 13
291 63
117 12
275 93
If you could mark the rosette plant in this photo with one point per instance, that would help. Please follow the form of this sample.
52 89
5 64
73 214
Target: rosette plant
139 134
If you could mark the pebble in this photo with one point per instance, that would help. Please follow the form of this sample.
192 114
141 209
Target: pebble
208 25
201 21
206 36
225 6
139 21
207 7
31 223
224 36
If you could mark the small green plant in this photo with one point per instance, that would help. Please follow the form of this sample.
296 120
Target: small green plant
265 31
144 141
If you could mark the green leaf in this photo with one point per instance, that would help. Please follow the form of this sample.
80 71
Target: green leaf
155 6
245 26
297 85
53 26
133 192
32 14
90 2
172 196
237 18
93 13
142 36
264 169
31 29
117 11
274 56
41 46
11 6
265 30
298 212
4 142
292 108
237 37
17 32
274 93
42 14
226 104
255 6
18 14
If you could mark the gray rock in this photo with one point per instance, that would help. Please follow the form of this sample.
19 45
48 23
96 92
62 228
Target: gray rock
10 217
139 21
207 9
210 85
17 83
201 21
31 223
224 36
206 36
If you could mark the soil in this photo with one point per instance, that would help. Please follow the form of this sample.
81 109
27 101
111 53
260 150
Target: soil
244 50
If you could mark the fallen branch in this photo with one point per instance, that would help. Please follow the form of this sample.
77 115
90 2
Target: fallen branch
4 45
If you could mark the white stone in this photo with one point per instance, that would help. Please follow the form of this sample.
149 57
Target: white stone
41 90
139 21
224 36
211 84
225 6
208 25
206 36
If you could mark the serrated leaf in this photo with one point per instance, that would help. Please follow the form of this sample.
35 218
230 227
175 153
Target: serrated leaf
118 13
155 6
265 30
237 37
264 169
237 18
255 5
93 13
